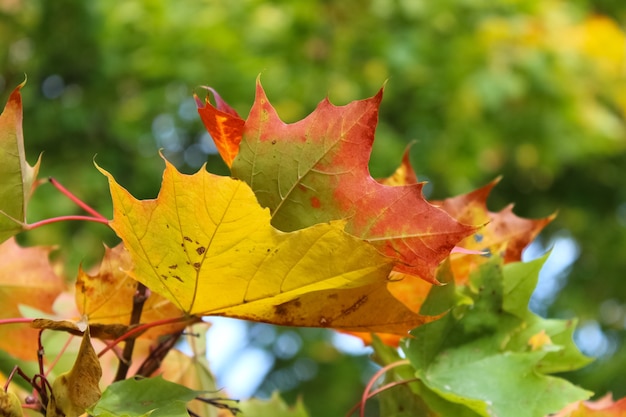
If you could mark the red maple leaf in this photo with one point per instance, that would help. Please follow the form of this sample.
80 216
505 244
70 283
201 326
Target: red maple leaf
316 170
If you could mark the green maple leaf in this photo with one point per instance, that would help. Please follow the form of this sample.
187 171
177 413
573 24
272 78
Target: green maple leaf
487 354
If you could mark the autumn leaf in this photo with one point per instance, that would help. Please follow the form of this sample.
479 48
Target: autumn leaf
17 176
504 233
207 246
74 391
10 405
223 124
26 278
316 170
603 407
106 297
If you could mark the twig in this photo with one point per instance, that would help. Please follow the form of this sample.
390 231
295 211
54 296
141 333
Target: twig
139 298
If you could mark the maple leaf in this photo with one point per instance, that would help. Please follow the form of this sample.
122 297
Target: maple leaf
316 170
18 178
207 246
488 334
26 278
502 233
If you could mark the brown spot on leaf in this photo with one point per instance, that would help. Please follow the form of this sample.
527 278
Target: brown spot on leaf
200 250
173 266
177 277
354 307
188 239
333 296
280 310
196 265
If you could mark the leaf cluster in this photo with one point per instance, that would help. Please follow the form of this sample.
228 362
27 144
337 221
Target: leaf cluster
299 235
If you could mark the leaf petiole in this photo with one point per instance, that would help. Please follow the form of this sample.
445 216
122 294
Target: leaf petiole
65 218
80 203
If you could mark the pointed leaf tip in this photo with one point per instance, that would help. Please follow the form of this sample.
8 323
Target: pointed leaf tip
223 124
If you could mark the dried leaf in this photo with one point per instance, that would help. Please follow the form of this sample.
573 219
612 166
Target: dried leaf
10 405
75 391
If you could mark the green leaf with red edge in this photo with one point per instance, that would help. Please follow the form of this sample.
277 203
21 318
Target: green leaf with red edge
26 278
16 176
316 170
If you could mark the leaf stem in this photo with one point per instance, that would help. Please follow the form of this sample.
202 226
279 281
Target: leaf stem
15 320
366 393
75 199
142 328
64 218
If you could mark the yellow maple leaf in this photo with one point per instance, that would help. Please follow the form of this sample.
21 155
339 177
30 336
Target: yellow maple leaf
206 245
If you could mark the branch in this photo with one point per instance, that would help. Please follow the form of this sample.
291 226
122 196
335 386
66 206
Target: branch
138 301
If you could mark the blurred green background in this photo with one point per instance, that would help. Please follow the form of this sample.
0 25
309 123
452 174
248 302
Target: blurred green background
534 90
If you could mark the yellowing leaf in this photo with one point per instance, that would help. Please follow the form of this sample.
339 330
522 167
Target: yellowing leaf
106 297
17 176
26 278
206 245
74 391
10 405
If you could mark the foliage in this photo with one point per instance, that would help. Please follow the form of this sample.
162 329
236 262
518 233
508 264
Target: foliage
215 245
527 88
115 80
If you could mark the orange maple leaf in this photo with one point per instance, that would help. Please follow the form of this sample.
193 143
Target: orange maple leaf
26 278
